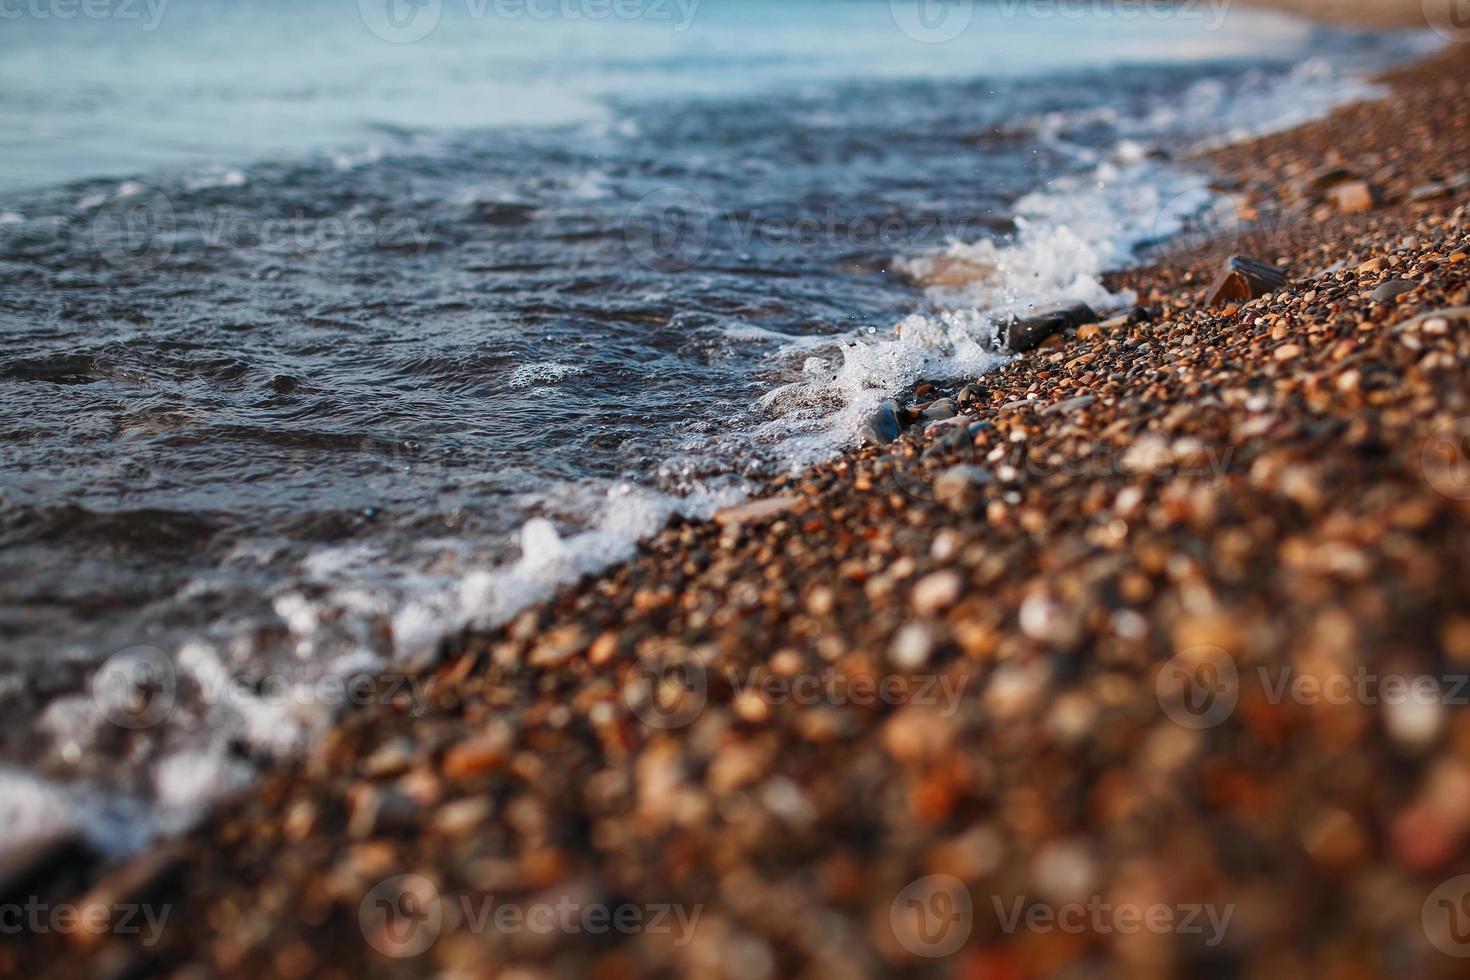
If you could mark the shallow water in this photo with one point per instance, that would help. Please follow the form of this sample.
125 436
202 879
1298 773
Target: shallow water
320 347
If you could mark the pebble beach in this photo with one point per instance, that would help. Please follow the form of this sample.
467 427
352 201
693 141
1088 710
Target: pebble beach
1146 654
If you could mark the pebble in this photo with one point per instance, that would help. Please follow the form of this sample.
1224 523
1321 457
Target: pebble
971 395
1393 289
375 810
962 487
393 758
1043 618
1243 279
943 408
478 754
1353 197
882 427
912 645
935 592
1069 405
757 510
1031 332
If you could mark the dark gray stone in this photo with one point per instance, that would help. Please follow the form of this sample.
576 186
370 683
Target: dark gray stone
941 408
1028 333
1393 289
883 426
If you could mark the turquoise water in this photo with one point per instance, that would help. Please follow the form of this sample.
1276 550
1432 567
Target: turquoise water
167 84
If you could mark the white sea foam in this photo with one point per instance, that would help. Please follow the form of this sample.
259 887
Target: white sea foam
34 809
542 372
215 178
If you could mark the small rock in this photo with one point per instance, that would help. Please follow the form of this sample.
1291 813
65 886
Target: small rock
558 646
1043 618
145 879
375 810
459 817
911 646
1429 192
478 754
1393 289
936 592
1029 333
1329 176
1353 197
393 758
1069 405
961 488
1244 279
882 426
1415 721
1449 315
757 509
1287 352
971 395
917 732
30 864
1088 330
942 408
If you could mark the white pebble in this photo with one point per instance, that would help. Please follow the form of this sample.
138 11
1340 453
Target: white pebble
935 592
